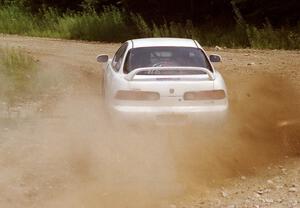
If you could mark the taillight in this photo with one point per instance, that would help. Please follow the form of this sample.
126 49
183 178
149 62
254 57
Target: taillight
136 95
205 95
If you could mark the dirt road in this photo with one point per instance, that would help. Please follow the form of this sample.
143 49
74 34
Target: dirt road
63 151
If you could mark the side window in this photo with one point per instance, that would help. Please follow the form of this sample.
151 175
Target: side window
119 57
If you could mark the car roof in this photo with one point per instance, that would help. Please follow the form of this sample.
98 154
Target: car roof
158 42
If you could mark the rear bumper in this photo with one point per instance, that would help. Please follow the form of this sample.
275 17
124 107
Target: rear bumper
169 109
171 114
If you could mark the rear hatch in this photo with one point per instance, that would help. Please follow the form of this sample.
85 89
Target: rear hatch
170 89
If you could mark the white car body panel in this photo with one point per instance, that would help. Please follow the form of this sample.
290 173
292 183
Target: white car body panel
171 88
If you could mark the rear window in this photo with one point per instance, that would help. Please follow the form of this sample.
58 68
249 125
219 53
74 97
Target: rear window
166 57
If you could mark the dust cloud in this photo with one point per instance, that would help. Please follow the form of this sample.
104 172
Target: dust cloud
75 155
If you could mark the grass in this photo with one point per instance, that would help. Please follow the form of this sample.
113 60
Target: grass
242 35
10 17
272 38
109 26
115 25
18 71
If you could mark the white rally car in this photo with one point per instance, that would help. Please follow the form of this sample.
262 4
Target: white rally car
164 78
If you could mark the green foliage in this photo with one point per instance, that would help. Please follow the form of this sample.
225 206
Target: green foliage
115 25
216 12
273 39
14 20
141 25
240 36
110 25
89 5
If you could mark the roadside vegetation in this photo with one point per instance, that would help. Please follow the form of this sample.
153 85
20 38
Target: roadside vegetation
17 72
110 25
113 24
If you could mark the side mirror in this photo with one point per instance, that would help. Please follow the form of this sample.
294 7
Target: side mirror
102 58
215 58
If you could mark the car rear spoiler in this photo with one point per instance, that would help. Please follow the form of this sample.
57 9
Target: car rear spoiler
155 71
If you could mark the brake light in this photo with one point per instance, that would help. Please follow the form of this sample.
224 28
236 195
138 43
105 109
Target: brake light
137 95
205 95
